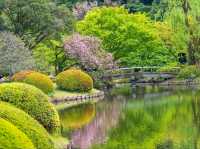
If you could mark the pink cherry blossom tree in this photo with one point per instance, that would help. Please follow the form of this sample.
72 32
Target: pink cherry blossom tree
88 52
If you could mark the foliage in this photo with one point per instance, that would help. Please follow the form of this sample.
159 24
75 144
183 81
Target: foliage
14 55
132 38
20 76
171 67
36 79
38 135
74 80
81 8
154 8
97 76
87 50
35 20
191 71
33 101
184 18
40 81
50 57
167 35
11 137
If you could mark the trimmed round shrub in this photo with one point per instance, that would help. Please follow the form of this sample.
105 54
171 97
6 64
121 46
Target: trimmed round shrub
33 101
74 80
41 81
25 123
12 138
36 79
20 76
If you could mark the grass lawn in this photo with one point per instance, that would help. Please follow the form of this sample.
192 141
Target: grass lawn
61 93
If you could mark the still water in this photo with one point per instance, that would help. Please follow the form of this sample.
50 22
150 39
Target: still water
150 117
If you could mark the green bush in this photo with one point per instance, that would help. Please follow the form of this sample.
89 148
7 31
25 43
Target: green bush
97 79
74 80
38 135
13 138
41 81
172 67
36 79
20 76
189 72
33 101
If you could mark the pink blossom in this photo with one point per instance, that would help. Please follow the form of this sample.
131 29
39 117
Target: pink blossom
88 51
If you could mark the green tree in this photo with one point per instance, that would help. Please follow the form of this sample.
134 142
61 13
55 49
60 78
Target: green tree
50 56
132 38
14 56
154 8
184 18
35 20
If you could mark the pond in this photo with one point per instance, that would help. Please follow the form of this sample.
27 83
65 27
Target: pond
151 117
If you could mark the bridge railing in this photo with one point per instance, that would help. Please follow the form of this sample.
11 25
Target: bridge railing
155 69
137 73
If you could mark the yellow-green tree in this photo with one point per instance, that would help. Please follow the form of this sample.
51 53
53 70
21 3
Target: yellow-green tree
184 18
132 38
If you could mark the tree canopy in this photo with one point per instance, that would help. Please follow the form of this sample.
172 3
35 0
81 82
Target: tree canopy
87 51
132 38
14 56
34 20
183 16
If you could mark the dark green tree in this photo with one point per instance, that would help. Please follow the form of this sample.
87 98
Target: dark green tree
34 20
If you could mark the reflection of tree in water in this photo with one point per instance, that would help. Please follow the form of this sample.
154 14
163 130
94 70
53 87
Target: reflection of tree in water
76 117
163 122
107 116
196 117
147 92
171 122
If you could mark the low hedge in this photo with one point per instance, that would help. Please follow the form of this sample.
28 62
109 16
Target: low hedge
12 138
25 123
37 79
74 80
33 101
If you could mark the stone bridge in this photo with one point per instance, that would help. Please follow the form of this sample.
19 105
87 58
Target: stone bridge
139 75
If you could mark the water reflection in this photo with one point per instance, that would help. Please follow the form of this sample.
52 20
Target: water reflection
96 131
170 122
76 117
157 118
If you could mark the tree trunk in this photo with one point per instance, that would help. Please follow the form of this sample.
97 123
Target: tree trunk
191 53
